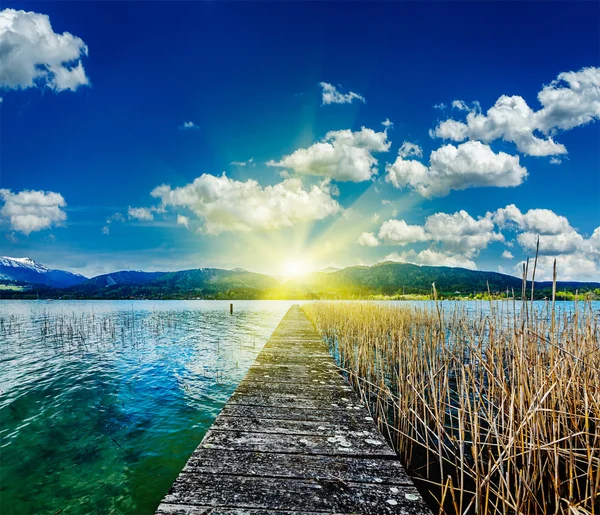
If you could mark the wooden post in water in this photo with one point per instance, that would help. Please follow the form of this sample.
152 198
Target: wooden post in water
231 309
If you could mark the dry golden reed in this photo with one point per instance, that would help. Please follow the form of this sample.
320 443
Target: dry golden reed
497 411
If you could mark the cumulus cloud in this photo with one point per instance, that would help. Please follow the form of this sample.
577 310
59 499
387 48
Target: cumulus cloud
30 211
106 230
400 233
431 257
32 54
331 95
569 267
471 164
458 232
455 239
578 257
542 221
410 149
140 213
225 204
368 239
572 100
342 155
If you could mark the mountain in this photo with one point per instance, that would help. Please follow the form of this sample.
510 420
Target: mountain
388 279
124 277
391 278
26 270
196 283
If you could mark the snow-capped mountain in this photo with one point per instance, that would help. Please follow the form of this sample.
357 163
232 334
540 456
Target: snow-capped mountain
29 271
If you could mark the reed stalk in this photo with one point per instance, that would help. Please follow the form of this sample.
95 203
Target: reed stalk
492 416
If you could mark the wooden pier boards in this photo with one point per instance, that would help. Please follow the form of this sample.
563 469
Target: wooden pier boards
293 438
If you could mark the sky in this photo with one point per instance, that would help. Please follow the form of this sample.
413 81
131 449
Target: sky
282 137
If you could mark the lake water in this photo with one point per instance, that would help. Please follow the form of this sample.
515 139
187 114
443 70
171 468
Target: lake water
103 402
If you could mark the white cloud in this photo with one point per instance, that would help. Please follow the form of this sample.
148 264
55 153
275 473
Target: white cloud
572 100
400 233
106 230
569 267
409 149
431 257
250 162
461 232
542 221
188 125
332 96
440 106
578 258
507 255
458 232
140 213
30 211
555 161
117 217
387 124
368 239
460 105
563 243
342 155
471 164
229 205
450 129
183 220
32 54
375 218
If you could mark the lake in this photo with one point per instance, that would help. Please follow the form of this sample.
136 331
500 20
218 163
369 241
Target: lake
103 402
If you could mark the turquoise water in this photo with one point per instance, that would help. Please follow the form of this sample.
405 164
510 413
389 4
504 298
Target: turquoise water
102 402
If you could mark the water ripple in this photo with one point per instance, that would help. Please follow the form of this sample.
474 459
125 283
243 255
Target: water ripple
102 402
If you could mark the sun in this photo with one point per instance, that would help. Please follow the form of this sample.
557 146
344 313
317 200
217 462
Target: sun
295 268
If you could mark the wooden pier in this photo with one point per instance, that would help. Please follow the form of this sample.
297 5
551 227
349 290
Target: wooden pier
294 438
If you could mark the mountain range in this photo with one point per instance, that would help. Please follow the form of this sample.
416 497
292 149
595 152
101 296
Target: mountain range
28 271
25 278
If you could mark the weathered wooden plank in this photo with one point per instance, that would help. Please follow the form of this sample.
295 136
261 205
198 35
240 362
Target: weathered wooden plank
335 444
324 399
297 427
298 466
308 390
285 494
183 509
332 415
293 438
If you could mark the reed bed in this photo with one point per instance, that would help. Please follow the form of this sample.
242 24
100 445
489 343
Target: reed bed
494 411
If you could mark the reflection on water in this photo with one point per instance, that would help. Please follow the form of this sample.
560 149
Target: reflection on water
102 402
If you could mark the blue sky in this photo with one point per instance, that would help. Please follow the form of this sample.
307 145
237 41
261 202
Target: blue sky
93 125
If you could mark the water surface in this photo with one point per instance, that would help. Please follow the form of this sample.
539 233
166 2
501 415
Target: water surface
102 402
